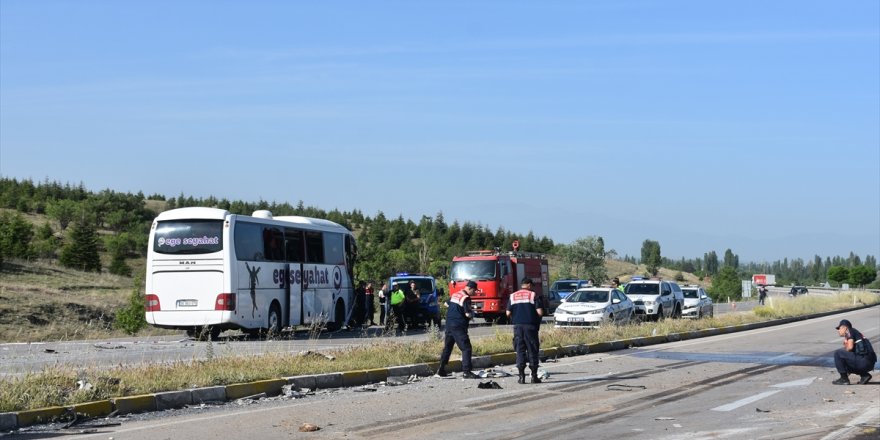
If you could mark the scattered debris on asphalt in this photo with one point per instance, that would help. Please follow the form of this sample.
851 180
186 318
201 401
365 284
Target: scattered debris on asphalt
109 347
308 427
664 418
365 388
393 381
490 385
492 372
623 387
762 410
249 398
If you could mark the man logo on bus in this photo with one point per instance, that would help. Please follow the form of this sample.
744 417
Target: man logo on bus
337 278
254 281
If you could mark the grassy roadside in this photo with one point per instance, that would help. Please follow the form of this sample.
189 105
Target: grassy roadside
58 386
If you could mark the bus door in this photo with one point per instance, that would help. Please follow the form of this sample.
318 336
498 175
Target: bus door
295 251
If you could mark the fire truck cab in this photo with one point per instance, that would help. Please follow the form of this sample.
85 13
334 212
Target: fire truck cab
497 274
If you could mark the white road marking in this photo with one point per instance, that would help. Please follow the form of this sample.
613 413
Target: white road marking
795 383
746 401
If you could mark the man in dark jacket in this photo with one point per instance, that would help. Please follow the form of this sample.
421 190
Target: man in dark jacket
457 318
856 357
525 310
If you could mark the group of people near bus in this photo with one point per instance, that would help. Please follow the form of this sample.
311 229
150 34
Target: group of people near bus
401 305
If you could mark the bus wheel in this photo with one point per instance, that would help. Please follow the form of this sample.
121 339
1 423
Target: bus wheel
338 318
274 328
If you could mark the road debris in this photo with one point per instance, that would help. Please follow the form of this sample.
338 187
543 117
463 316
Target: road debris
762 410
365 388
827 400
109 347
247 399
543 374
490 385
291 392
394 381
308 427
623 387
664 418
491 372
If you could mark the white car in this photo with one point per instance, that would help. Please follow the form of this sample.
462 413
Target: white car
656 299
696 303
594 306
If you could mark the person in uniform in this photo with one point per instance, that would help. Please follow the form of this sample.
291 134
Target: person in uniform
856 357
457 318
396 301
525 309
615 283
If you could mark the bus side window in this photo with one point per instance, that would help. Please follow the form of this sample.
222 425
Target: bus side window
248 243
333 252
272 244
295 247
314 247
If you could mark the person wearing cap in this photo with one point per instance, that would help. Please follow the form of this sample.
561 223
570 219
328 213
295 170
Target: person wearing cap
856 357
525 309
457 318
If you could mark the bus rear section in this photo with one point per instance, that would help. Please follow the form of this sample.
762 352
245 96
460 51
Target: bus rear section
187 280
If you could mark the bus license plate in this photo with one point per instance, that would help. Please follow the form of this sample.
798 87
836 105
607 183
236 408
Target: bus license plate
187 303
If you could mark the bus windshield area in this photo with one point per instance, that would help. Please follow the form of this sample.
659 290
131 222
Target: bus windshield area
188 237
473 270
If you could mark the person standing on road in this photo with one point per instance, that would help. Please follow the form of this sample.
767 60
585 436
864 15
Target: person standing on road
370 305
525 310
856 357
762 294
396 301
382 293
457 318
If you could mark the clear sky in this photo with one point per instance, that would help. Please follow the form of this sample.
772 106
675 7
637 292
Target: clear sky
703 125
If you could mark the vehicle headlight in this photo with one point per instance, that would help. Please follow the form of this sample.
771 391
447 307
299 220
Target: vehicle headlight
649 303
596 312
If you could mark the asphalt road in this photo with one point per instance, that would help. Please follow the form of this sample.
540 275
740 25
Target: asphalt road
769 383
21 358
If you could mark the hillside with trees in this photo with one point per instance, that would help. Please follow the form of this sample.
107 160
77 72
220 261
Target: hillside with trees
107 231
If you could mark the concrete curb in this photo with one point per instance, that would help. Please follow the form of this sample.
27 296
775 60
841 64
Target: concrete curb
11 421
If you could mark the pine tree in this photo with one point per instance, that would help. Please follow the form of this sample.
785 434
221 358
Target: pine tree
82 250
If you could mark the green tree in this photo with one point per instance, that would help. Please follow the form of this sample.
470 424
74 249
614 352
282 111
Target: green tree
15 236
726 284
586 256
132 318
838 274
651 256
45 244
82 250
63 211
862 275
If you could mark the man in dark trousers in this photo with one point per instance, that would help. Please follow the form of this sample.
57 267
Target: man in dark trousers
525 310
856 357
457 318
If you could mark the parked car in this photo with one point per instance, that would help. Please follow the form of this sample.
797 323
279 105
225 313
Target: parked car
553 300
656 299
697 303
798 290
594 306
563 288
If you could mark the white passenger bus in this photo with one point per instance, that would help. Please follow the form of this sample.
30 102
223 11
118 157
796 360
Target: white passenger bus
210 269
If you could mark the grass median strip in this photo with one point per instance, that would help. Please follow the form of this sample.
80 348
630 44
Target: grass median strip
57 386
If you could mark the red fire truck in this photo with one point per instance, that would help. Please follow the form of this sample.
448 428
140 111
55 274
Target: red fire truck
498 274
